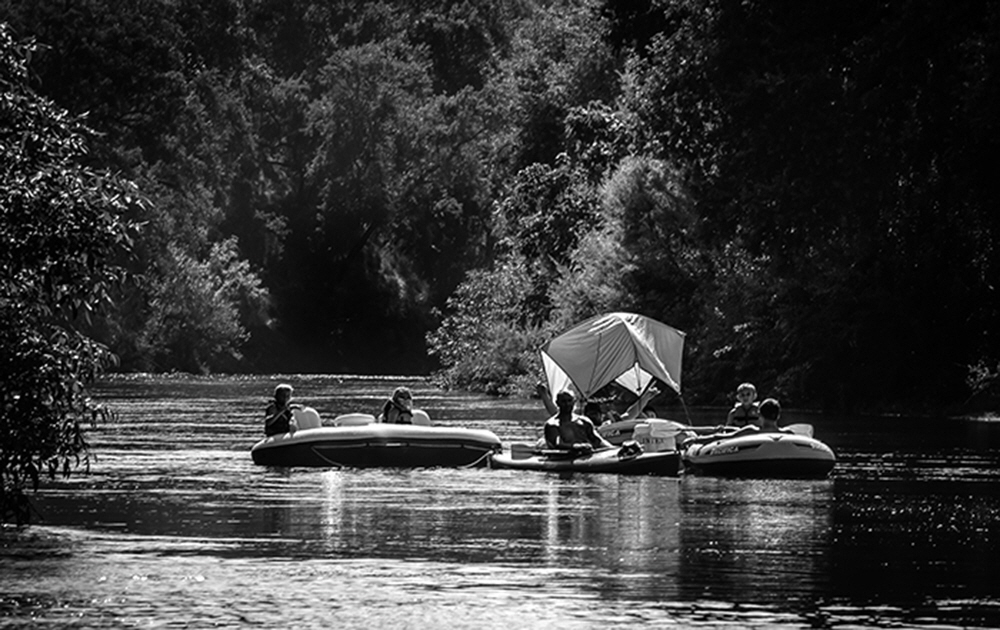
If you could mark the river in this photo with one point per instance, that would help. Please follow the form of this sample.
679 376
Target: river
175 527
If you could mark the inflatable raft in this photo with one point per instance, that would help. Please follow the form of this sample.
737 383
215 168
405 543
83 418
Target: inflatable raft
619 461
778 454
358 441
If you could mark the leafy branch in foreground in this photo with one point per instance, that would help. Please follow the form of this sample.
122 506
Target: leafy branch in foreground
63 226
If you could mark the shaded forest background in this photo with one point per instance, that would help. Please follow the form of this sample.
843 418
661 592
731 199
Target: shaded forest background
808 189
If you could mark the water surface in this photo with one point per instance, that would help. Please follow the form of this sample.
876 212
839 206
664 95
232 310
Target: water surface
174 526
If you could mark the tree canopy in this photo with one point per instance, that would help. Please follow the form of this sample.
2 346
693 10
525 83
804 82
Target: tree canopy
439 186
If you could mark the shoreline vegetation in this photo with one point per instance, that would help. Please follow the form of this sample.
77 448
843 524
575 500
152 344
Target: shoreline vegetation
669 404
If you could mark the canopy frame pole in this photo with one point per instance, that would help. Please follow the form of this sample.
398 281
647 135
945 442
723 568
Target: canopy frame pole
641 409
687 414
593 371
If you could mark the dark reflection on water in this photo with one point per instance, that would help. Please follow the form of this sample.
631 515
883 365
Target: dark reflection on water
175 526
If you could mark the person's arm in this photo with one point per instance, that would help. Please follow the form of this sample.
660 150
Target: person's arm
384 416
730 417
273 415
546 395
270 420
551 435
704 435
596 439
635 409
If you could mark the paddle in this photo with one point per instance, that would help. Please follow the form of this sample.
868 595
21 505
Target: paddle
525 451
522 451
800 428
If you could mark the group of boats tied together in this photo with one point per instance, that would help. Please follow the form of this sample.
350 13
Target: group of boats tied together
631 350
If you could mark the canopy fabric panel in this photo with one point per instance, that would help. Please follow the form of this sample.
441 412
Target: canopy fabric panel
626 348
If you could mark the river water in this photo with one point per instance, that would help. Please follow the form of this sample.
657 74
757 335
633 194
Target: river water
175 527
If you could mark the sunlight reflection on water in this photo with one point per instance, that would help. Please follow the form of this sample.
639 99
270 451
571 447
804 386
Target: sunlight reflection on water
175 527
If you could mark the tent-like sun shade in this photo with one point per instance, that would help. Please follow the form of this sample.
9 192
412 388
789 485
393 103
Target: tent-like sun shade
625 348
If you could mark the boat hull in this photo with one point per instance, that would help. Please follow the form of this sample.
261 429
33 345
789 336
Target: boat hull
664 464
764 455
377 446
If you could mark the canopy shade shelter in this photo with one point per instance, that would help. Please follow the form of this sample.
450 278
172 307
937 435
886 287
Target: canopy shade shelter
625 348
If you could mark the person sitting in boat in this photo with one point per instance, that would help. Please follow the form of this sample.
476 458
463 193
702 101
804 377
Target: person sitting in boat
399 408
746 411
569 431
278 416
770 413
593 410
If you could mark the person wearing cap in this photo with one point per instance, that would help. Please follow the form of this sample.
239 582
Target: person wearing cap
569 431
278 416
399 408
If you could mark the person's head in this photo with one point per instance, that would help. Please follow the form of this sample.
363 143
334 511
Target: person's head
565 400
402 397
283 393
592 409
770 410
746 393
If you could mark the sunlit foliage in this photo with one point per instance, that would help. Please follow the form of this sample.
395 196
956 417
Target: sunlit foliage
62 227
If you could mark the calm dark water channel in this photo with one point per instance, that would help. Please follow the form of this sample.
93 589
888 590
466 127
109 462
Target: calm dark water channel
175 527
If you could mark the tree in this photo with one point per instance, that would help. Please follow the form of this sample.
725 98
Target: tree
64 227
171 91
640 256
557 61
841 147
194 319
489 340
497 316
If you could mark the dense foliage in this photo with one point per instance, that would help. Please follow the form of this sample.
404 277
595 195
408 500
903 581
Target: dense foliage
62 225
396 187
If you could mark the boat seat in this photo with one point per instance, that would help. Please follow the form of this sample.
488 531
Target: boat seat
353 420
420 418
306 418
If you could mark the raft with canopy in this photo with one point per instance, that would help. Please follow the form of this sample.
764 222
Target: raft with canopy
625 348
629 349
